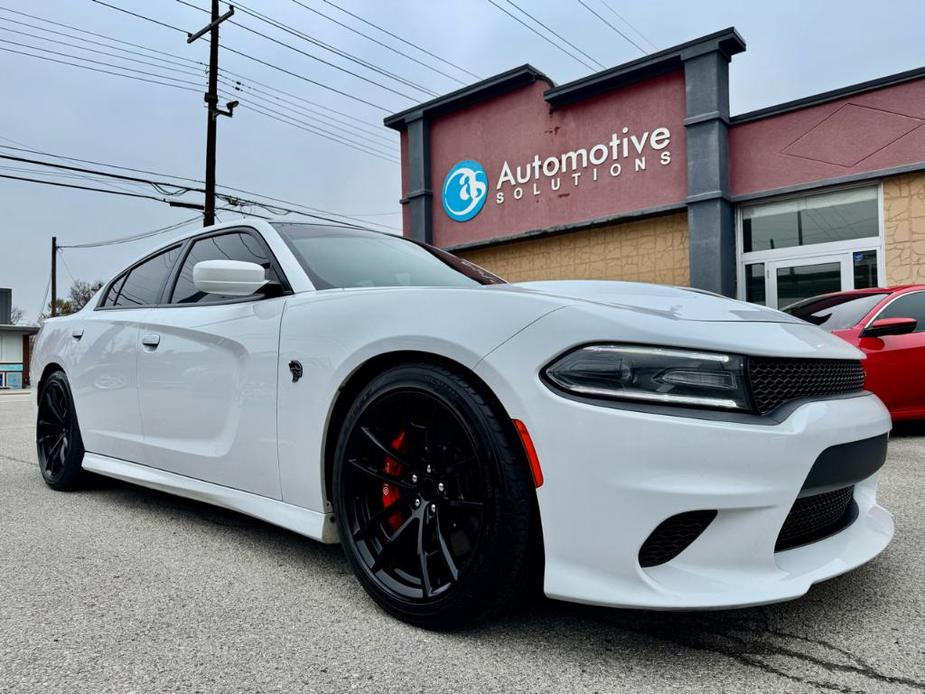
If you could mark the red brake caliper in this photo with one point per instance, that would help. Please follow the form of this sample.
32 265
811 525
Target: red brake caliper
390 492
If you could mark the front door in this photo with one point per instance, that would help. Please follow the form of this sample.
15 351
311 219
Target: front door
207 375
790 281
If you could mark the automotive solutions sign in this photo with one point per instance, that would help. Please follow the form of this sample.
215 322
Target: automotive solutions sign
624 153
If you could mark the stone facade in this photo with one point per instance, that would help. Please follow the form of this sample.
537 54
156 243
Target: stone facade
648 250
904 228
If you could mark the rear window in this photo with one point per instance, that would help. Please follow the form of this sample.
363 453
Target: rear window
836 311
143 284
340 257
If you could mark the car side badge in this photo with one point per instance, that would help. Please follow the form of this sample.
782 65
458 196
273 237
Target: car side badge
295 367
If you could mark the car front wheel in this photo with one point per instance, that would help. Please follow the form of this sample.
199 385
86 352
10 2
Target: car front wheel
433 499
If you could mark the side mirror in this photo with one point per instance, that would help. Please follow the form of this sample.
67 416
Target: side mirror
228 277
890 326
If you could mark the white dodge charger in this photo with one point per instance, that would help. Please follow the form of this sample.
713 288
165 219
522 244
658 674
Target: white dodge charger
633 445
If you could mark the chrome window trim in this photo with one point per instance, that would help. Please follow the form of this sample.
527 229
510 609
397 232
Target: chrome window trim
896 297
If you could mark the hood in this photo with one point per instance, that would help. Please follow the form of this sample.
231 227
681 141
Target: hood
676 303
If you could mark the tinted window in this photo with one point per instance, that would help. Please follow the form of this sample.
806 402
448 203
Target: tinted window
838 216
234 246
335 257
143 284
114 291
836 312
907 306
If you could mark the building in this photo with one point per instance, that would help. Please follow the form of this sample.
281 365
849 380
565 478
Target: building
640 173
14 346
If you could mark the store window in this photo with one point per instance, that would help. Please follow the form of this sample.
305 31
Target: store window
754 284
826 218
800 248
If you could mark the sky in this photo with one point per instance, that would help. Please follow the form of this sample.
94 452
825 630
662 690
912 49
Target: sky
796 48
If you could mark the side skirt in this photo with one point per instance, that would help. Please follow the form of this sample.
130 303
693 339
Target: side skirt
318 526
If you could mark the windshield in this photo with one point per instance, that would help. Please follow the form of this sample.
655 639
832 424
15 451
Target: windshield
836 311
341 257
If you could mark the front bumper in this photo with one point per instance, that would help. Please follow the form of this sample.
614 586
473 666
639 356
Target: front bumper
612 475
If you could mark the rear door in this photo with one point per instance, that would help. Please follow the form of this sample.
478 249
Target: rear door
104 345
896 363
207 372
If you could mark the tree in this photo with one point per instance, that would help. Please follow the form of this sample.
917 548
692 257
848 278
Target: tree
78 295
16 315
81 292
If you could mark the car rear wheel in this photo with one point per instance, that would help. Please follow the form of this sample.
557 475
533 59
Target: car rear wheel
434 502
60 448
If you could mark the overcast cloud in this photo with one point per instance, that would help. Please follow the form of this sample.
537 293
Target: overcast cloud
795 48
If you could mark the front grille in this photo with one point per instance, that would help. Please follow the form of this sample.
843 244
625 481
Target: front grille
814 517
776 381
672 536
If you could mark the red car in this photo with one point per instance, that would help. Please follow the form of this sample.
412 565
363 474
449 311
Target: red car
889 326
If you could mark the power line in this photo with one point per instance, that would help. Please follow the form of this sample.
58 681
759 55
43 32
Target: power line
262 95
185 71
181 82
70 176
250 81
303 78
64 262
44 297
328 47
181 178
189 64
134 237
404 41
378 42
159 186
171 59
541 35
93 69
596 14
100 62
335 66
229 199
302 125
249 57
554 33
88 188
628 23
101 36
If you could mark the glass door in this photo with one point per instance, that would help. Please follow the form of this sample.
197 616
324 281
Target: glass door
790 281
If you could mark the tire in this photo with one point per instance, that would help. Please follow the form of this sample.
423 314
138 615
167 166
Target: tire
423 440
58 442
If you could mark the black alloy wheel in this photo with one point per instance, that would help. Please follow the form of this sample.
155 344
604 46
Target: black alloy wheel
60 447
433 499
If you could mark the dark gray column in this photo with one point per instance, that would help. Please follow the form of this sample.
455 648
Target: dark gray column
419 196
710 214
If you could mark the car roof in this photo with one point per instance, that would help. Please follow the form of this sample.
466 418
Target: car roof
875 290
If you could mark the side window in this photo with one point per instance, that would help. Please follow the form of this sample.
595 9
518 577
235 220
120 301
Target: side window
143 284
233 246
908 306
113 292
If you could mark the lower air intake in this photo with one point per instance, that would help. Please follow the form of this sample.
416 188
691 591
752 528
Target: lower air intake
815 517
672 536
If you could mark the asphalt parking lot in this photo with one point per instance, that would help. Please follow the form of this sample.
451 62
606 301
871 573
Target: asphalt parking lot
121 589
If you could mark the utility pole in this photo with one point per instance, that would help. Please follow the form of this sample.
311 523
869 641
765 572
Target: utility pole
54 276
211 99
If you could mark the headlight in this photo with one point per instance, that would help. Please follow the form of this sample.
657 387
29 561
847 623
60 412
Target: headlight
653 374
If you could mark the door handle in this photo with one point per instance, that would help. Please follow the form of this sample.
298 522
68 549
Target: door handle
151 341
77 333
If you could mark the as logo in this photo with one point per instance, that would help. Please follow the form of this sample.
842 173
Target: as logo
464 190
